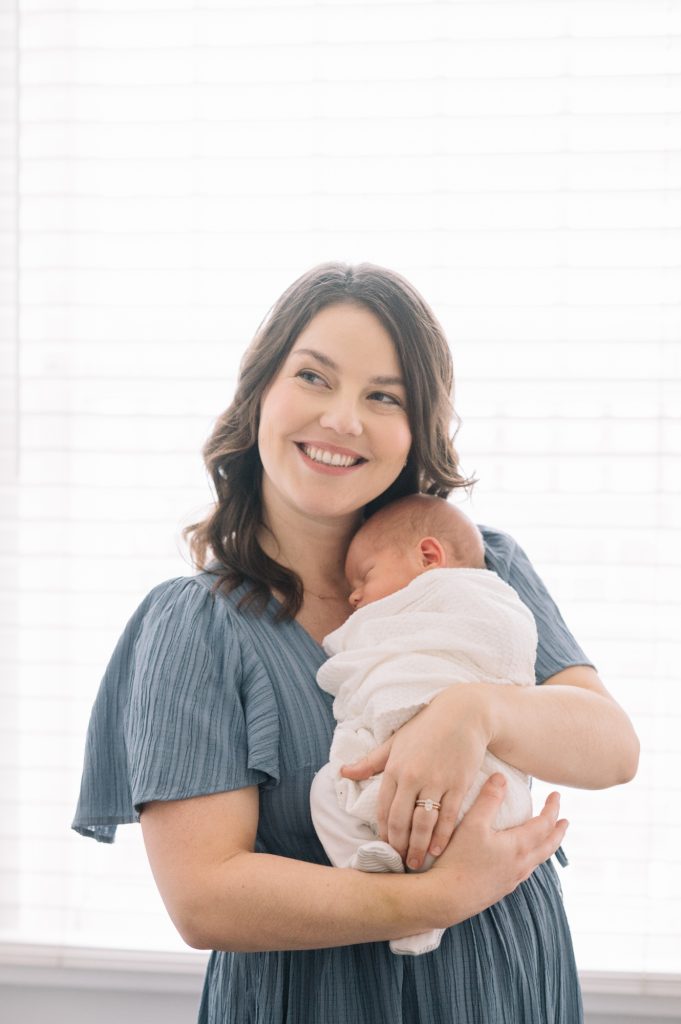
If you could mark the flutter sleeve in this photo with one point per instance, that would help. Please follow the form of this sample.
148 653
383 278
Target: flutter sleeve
556 647
183 710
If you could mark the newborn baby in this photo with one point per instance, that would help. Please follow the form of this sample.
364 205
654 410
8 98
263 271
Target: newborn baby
428 615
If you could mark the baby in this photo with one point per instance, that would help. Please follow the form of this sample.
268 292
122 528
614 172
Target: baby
428 615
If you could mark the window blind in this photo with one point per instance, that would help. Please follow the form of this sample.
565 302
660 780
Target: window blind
170 168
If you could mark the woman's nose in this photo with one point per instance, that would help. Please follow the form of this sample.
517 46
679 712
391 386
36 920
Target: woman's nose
342 416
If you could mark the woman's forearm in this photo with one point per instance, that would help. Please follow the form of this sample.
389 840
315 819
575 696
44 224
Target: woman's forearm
259 902
220 894
567 735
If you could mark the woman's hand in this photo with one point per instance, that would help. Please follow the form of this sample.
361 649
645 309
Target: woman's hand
485 865
436 755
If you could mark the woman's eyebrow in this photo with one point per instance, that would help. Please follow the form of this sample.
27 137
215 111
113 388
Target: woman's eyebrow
329 363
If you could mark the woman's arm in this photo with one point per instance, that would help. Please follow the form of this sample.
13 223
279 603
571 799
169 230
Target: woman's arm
221 895
569 731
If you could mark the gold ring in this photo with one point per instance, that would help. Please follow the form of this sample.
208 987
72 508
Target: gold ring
429 805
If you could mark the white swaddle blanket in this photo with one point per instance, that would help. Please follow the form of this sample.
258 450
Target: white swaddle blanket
392 657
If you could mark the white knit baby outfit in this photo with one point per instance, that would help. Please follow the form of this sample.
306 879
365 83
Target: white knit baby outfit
389 660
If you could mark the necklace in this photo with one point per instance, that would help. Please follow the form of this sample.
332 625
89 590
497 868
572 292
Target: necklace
324 597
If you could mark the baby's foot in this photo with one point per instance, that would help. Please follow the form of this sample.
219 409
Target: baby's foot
377 857
415 945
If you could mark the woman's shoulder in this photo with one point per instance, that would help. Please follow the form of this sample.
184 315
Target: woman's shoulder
191 587
190 601
185 620
557 648
190 621
184 709
501 550
505 556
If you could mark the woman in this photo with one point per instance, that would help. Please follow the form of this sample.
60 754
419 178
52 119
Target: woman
209 725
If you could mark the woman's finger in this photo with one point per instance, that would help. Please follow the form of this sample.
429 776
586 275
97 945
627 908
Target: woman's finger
424 820
446 822
370 765
400 817
484 810
542 825
551 806
386 795
546 847
539 838
555 829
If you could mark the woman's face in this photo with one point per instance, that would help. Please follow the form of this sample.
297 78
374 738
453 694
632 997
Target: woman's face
333 431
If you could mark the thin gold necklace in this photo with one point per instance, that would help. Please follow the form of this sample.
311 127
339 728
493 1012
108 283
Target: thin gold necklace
324 597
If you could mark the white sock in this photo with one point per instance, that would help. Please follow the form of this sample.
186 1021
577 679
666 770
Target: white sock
416 945
377 857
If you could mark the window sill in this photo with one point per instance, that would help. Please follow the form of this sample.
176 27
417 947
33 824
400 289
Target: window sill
85 967
621 996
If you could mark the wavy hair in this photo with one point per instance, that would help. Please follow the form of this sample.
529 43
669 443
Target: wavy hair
228 535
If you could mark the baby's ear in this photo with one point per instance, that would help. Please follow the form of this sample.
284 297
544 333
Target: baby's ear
432 553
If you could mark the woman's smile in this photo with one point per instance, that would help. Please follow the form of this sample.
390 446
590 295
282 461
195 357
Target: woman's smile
329 459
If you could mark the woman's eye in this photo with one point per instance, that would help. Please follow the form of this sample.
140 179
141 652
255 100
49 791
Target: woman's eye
310 376
383 398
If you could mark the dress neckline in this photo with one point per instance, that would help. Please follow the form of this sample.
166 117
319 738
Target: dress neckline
297 625
273 606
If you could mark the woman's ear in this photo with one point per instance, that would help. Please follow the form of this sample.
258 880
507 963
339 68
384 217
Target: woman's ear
432 553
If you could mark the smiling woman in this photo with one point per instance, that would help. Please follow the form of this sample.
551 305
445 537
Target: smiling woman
209 725
352 344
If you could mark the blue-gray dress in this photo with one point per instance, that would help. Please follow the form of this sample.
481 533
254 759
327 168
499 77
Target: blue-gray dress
200 698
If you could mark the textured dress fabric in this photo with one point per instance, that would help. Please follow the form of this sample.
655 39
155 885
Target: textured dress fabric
202 698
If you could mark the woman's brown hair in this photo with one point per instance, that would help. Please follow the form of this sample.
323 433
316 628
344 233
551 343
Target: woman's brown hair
229 534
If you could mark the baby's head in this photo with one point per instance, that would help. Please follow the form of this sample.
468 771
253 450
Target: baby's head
406 538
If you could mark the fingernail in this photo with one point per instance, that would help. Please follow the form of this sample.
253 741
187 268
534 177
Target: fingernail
436 851
498 781
413 863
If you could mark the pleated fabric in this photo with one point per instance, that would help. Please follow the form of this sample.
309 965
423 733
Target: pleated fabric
202 698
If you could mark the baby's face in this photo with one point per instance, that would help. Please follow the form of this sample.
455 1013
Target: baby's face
374 573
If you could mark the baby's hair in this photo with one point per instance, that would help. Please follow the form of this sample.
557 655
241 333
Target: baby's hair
408 520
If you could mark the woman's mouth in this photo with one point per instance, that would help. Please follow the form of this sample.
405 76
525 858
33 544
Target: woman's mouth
324 457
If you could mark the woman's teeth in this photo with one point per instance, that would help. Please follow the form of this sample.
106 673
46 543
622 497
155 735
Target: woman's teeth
328 458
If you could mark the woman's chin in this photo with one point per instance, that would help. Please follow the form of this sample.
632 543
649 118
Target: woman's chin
325 512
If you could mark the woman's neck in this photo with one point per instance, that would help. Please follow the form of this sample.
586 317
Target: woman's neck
314 549
317 556
318 561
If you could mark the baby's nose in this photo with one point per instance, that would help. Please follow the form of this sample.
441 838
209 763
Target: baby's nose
355 597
